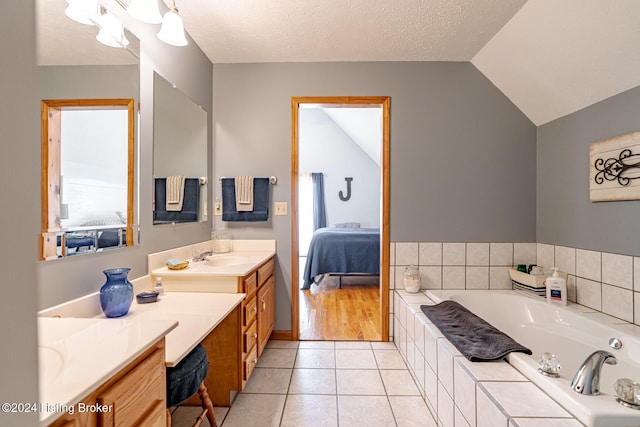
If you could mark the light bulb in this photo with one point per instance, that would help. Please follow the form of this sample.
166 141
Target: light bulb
145 11
172 30
111 31
82 11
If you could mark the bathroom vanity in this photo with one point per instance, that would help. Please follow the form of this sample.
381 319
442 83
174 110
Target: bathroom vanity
226 303
137 392
236 345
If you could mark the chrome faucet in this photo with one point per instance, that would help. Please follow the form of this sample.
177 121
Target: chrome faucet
202 256
587 379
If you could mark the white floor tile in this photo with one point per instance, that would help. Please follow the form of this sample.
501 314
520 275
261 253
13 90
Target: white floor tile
411 411
370 411
313 381
317 344
355 359
316 358
269 380
310 410
399 383
255 410
277 358
389 359
353 345
361 381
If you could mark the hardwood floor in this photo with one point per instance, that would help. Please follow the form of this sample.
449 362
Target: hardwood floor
348 314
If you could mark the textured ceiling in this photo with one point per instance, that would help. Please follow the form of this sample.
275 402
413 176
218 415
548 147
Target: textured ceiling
344 30
549 57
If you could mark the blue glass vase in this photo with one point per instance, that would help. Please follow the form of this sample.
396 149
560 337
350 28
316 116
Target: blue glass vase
116 294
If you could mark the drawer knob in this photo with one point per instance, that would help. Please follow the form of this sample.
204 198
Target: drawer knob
255 361
255 336
255 309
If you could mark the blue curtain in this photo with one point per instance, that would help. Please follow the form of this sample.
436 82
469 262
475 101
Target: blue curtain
319 213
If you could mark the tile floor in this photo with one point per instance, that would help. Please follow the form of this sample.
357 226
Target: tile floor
324 383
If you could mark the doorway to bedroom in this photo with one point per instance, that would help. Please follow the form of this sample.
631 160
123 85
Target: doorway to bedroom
340 211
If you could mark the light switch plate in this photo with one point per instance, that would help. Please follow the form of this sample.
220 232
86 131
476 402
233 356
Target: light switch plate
280 208
217 208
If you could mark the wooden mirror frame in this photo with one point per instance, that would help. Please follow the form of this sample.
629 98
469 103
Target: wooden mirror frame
50 167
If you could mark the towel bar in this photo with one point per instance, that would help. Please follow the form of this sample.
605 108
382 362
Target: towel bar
272 179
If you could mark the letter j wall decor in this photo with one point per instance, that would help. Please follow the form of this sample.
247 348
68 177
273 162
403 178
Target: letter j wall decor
614 173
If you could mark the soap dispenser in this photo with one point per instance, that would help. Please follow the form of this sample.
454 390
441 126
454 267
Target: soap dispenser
556 288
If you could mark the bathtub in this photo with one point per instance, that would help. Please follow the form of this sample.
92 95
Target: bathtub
571 333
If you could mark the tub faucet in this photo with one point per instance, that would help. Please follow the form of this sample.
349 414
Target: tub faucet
202 256
587 379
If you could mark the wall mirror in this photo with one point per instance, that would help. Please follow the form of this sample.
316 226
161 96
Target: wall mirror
179 156
90 95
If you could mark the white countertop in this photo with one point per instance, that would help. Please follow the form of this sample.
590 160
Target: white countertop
78 355
197 313
240 264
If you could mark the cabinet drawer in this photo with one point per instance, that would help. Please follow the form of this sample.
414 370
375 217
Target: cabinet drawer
249 363
156 417
138 391
249 284
265 271
249 310
250 338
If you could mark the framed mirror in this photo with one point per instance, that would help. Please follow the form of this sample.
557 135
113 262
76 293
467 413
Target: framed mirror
90 94
87 175
179 156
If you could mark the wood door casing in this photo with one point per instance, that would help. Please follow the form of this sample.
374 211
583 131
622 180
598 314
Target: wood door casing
352 101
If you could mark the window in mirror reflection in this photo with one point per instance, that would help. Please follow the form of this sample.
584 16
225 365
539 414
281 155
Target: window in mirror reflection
87 195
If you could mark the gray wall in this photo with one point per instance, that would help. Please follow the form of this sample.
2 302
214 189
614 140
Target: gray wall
565 215
463 159
20 174
324 147
190 70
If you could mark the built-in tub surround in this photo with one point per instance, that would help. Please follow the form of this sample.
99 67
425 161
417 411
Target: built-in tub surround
217 272
604 282
488 393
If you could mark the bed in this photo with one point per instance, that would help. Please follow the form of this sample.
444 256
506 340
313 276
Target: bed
342 251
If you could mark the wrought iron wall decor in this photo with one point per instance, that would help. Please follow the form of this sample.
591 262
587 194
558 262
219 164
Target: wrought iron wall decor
348 196
615 168
622 169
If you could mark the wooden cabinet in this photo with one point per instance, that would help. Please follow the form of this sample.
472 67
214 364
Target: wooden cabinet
258 313
235 345
266 312
134 396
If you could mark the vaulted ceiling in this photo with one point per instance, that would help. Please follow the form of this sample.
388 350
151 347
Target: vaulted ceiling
550 57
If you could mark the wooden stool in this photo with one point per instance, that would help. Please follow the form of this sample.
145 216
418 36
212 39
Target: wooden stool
186 379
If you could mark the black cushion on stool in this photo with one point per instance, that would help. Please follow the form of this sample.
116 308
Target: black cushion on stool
183 380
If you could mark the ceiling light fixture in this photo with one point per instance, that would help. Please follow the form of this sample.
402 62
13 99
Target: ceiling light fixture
145 11
82 11
111 31
172 30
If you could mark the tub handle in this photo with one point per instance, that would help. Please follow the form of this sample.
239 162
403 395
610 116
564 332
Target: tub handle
549 365
615 343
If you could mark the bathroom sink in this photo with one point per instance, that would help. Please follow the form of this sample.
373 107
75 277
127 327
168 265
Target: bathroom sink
224 260
50 363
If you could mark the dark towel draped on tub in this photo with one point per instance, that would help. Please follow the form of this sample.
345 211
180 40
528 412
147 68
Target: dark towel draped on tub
475 338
